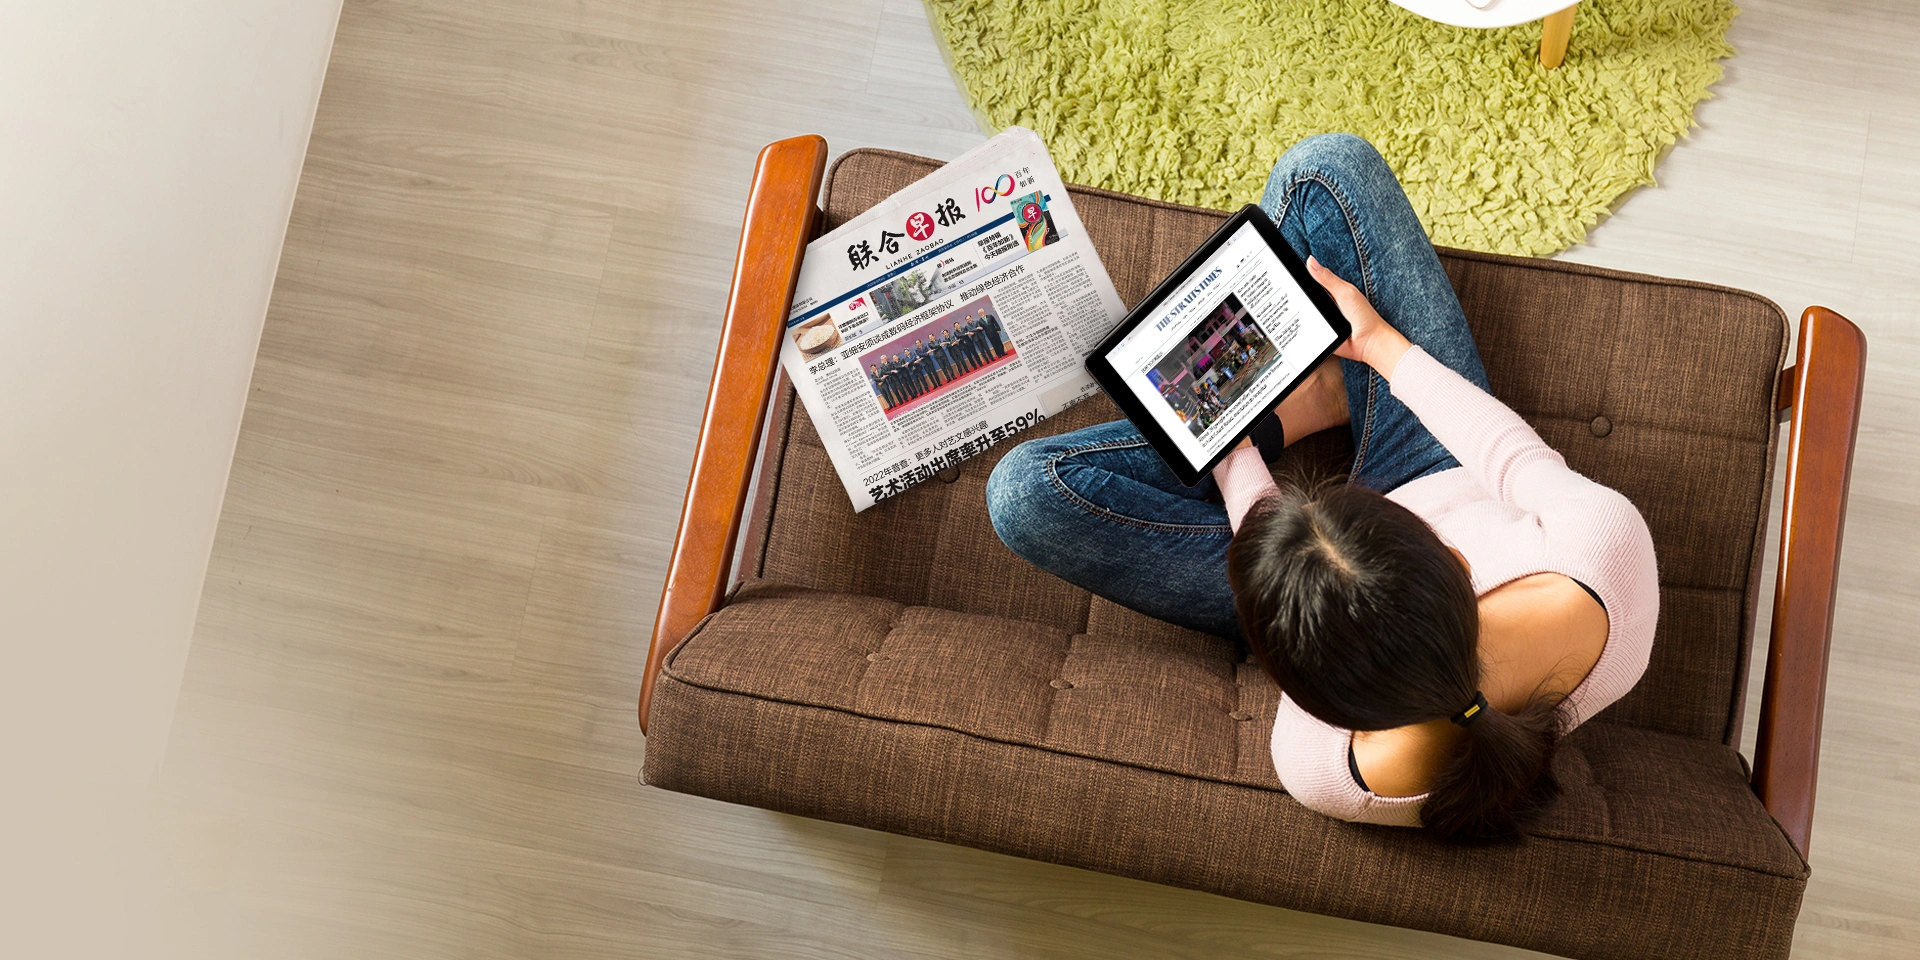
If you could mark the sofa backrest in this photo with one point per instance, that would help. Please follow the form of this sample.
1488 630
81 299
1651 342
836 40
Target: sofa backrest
1661 389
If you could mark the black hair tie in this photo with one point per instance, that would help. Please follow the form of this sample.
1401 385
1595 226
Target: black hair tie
1473 711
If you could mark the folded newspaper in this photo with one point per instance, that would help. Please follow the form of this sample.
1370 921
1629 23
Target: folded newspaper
953 315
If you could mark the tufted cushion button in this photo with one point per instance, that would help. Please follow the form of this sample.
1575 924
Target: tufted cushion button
948 474
1060 685
1241 715
874 658
1601 426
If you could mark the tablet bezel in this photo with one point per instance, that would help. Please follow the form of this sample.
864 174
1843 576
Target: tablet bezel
1123 396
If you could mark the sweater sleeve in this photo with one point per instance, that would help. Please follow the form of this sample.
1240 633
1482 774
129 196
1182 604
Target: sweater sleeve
1310 758
1593 534
1244 479
1491 441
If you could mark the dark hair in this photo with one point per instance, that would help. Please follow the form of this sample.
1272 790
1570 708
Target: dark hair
1367 621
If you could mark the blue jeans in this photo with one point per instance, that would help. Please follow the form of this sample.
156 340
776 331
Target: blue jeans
1098 508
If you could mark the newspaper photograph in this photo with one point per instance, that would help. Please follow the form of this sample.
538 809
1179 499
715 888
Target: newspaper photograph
950 317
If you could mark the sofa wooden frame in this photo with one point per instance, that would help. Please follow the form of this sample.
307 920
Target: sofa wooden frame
1819 396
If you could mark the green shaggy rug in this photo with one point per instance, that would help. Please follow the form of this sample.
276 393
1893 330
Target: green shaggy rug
1192 100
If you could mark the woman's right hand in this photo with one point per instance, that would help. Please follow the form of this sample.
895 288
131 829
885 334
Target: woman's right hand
1374 341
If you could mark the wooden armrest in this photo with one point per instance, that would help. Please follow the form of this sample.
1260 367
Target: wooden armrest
781 218
1831 365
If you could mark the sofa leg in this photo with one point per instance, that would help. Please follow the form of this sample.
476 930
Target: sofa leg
1555 30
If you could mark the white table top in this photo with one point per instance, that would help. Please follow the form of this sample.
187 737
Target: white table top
1498 13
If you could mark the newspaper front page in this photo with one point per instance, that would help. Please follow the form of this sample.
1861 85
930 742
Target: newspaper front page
952 316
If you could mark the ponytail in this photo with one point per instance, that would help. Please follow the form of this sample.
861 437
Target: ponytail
1499 777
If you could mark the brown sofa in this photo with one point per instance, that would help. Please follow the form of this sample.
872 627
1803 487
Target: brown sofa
901 670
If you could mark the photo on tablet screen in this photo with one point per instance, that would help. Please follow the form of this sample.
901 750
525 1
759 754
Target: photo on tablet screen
1217 362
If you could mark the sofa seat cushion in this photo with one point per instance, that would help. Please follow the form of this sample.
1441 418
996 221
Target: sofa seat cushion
1154 696
1138 748
1138 693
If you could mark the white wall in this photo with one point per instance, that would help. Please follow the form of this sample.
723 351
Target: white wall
148 158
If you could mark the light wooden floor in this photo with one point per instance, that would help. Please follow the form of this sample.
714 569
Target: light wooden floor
407 725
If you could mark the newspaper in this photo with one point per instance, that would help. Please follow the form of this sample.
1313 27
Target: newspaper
952 316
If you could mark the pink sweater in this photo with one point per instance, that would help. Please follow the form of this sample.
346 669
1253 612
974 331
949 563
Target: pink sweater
1512 508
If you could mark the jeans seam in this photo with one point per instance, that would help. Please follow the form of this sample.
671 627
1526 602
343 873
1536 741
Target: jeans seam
1366 285
1366 428
1093 509
1346 213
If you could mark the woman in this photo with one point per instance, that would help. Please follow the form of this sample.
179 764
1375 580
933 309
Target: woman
1436 622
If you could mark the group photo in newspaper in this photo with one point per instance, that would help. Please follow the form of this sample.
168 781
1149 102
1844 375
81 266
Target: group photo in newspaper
948 318
928 360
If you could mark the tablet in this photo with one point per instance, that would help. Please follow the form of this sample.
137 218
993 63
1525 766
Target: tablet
1218 343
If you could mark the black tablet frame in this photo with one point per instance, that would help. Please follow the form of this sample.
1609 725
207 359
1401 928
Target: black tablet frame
1123 396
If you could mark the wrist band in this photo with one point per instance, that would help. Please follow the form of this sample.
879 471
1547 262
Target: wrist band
1268 437
1472 712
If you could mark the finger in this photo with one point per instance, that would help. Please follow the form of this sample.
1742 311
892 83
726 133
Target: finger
1328 279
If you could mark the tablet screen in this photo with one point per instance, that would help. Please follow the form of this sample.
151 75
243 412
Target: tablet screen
1221 349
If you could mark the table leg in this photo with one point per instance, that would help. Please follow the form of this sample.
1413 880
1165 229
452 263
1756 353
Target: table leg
1554 32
